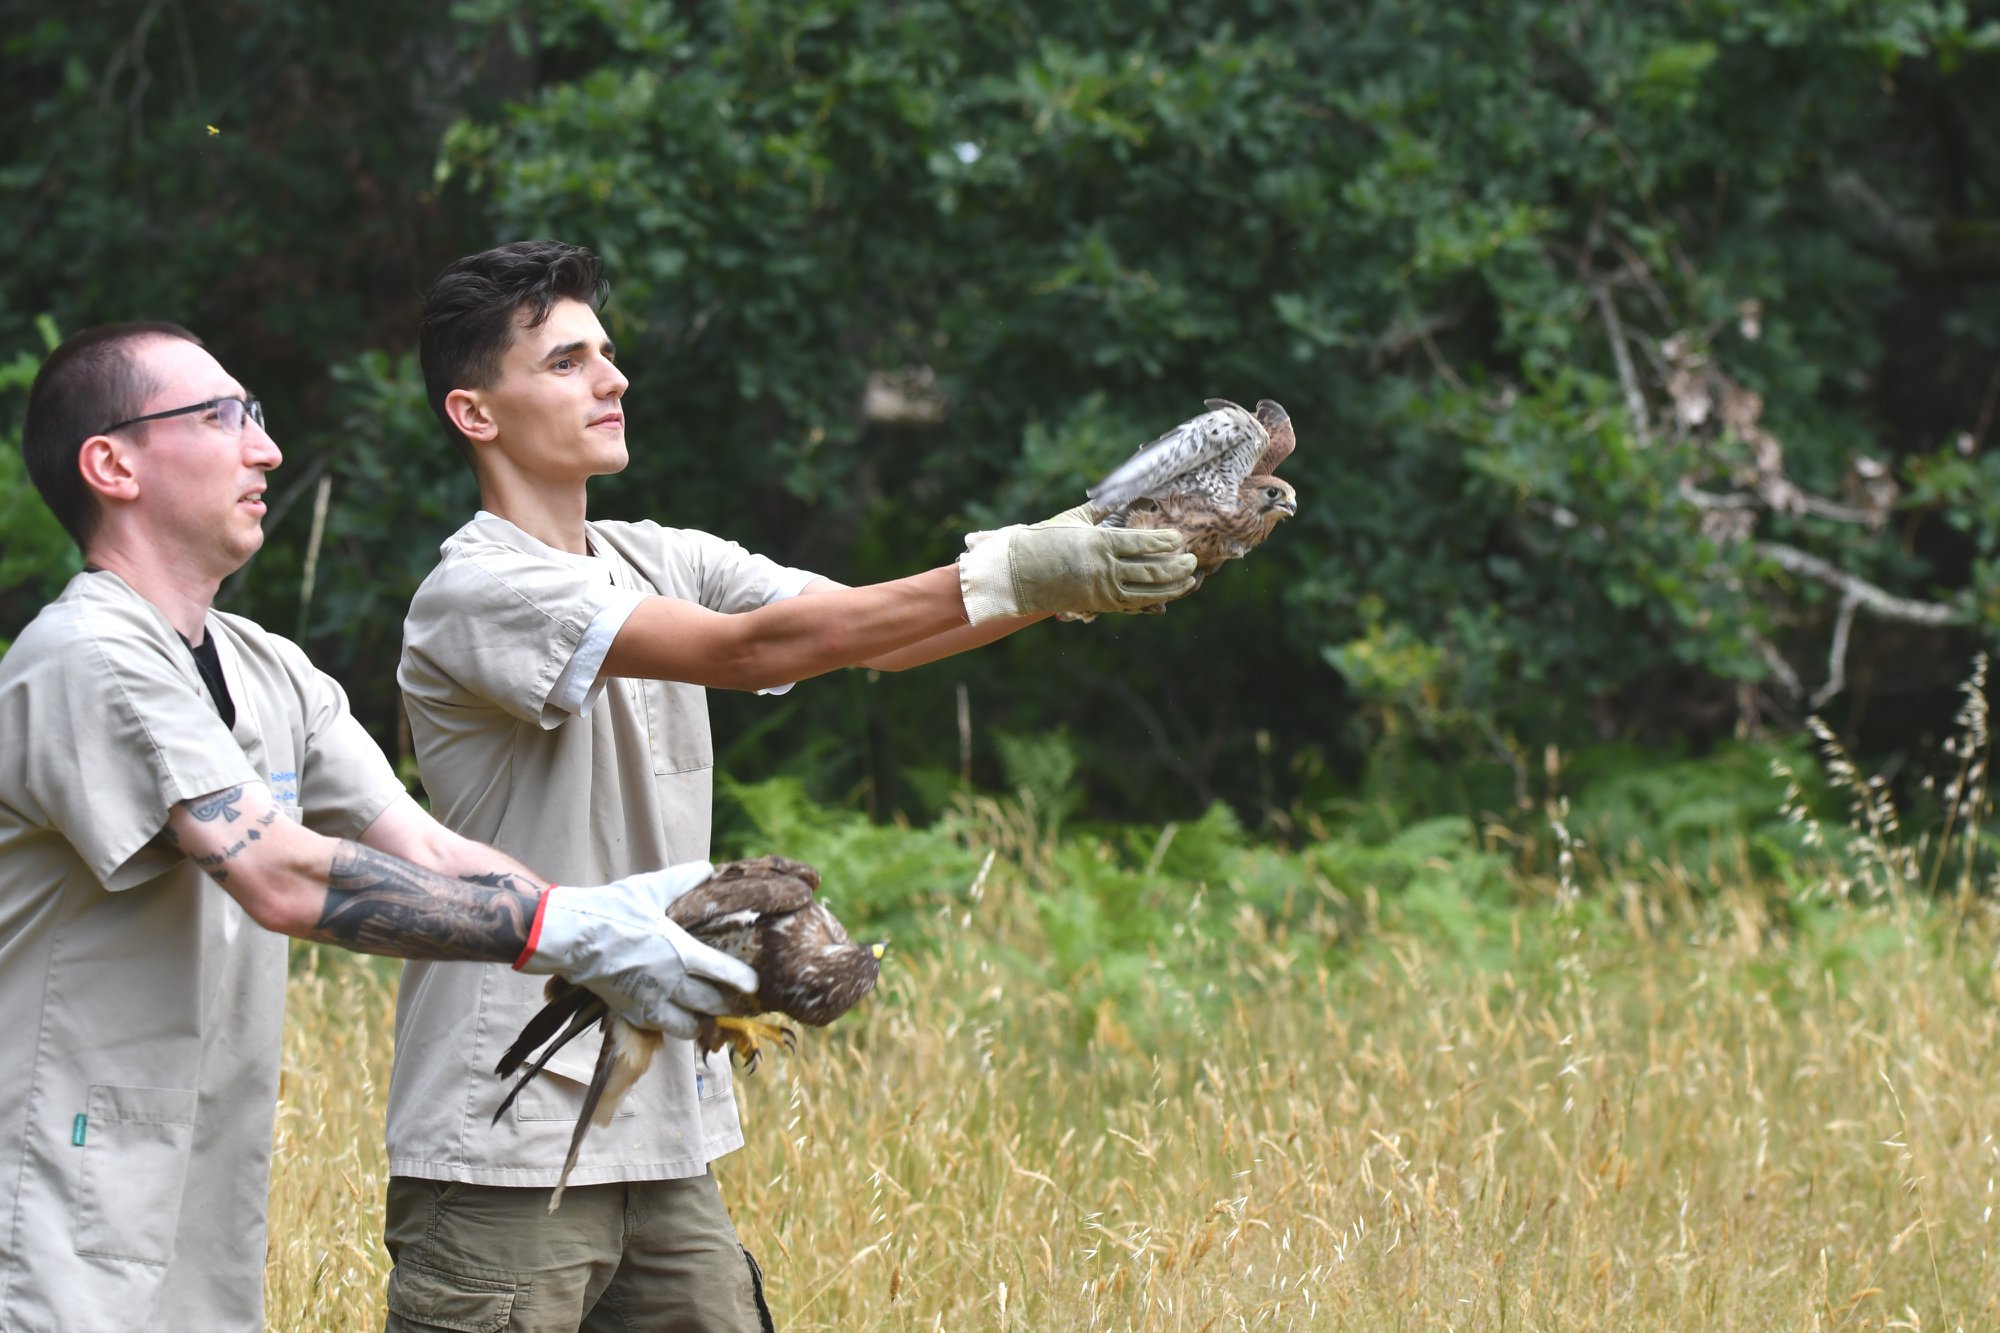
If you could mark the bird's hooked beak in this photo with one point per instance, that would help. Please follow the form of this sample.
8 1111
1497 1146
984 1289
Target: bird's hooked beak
1279 500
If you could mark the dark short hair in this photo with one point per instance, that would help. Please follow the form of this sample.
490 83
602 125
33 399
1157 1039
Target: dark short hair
94 379
471 308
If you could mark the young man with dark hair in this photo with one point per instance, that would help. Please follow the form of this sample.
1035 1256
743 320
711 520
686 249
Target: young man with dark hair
554 671
171 780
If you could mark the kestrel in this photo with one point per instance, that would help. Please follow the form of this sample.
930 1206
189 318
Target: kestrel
762 912
1210 478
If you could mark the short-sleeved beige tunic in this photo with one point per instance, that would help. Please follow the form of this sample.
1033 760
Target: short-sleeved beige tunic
140 1008
585 779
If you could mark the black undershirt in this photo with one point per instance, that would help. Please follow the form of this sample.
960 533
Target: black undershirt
210 664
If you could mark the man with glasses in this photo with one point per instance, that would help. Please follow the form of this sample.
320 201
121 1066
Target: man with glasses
178 790
230 414
555 673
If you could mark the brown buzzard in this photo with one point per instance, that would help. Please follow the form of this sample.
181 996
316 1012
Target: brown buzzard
1211 478
760 911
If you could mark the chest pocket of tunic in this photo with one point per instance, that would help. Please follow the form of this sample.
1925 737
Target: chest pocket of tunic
273 753
677 726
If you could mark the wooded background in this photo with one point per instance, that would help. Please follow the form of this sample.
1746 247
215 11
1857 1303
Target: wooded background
1645 357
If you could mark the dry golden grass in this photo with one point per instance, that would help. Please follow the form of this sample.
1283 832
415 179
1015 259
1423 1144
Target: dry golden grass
327 1266
1708 1124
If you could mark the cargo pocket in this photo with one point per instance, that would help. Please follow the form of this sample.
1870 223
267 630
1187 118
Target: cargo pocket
134 1144
433 1298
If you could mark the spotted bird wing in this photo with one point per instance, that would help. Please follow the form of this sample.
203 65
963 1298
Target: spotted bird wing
1207 456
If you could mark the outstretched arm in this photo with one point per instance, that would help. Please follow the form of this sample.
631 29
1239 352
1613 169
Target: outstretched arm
1005 577
668 639
297 882
962 638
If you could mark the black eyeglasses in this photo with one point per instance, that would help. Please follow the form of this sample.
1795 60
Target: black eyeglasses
230 414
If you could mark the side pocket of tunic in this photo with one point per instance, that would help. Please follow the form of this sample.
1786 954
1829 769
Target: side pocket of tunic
133 1145
677 727
558 1093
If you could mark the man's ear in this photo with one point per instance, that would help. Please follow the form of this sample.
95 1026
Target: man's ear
106 469
467 410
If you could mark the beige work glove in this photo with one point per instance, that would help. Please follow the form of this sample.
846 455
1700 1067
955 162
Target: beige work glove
1028 571
1085 515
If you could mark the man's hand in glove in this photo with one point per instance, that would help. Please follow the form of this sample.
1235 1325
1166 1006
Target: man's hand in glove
1022 571
616 940
1088 515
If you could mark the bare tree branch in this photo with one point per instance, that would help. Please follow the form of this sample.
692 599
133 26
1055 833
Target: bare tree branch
1438 363
1877 601
1628 378
1709 500
1836 655
1790 500
1408 331
1781 670
1805 502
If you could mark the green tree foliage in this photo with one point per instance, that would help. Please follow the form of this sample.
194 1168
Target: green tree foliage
1617 337
36 555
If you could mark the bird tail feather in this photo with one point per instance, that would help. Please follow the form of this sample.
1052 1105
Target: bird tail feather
633 1049
547 1020
581 1020
626 1054
606 1058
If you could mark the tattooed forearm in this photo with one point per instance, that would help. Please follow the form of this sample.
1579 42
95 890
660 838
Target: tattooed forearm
377 903
215 864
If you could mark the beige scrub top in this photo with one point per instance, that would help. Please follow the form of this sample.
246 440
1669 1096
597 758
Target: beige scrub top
585 779
140 1008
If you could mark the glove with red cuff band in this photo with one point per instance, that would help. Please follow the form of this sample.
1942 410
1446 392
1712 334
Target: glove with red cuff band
616 940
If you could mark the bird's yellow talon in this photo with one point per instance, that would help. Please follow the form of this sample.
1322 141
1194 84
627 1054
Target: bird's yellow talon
746 1038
